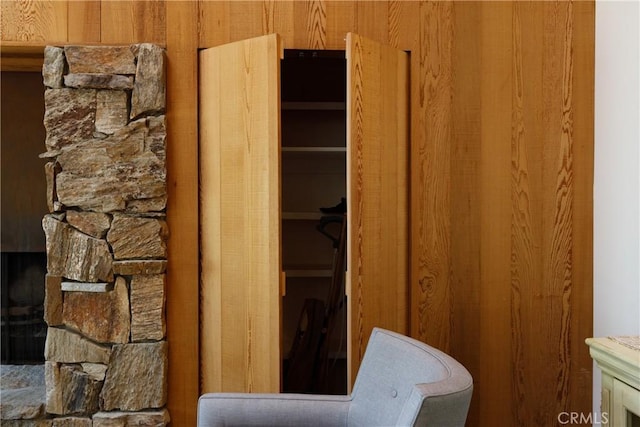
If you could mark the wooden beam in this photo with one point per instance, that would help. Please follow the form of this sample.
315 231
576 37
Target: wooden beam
182 211
27 58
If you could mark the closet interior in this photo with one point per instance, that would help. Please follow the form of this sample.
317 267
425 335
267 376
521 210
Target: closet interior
313 162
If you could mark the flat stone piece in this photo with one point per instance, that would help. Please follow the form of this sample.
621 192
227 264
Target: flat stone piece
101 316
104 175
80 392
136 378
70 390
22 403
98 81
21 376
50 170
86 287
137 238
155 140
75 255
148 95
111 111
69 116
147 307
27 423
69 347
95 224
139 266
97 371
53 67
154 204
71 422
54 403
53 300
22 395
100 59
143 418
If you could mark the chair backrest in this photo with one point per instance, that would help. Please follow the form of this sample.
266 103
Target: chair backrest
404 382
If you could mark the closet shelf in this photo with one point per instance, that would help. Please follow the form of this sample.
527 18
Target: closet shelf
293 105
314 149
302 215
293 273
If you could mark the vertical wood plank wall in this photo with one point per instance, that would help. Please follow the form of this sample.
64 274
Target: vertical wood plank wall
501 184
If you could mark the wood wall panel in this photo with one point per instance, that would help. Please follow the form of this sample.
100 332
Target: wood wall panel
581 299
310 22
494 210
515 142
34 21
372 20
340 21
183 304
465 224
402 16
84 21
133 22
542 189
313 24
213 27
502 173
527 149
430 169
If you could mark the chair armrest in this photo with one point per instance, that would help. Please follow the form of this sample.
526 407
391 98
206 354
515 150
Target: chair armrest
249 409
442 404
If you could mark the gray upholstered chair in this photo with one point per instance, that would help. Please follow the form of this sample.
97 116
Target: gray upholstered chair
401 382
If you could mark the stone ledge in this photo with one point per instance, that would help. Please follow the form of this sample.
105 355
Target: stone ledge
86 287
22 396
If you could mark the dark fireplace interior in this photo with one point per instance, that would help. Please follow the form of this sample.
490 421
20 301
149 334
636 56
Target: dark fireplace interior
23 262
23 328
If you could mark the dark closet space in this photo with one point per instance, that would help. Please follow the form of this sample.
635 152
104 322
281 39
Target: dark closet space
313 132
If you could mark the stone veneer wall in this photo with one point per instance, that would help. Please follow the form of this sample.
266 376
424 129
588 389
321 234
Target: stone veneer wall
106 349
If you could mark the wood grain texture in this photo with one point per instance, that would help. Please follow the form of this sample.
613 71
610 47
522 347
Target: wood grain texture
15 56
182 305
316 24
430 174
581 316
133 22
526 168
506 225
404 15
84 21
528 83
372 20
465 199
240 216
377 173
340 21
494 185
34 21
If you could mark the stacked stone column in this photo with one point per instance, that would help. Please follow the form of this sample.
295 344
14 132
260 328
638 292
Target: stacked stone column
106 349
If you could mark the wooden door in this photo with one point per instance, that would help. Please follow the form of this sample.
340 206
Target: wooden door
240 298
377 192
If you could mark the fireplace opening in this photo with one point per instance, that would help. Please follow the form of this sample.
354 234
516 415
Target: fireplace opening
23 204
23 328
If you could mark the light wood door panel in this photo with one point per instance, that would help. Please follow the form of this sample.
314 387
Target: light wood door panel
240 216
377 187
